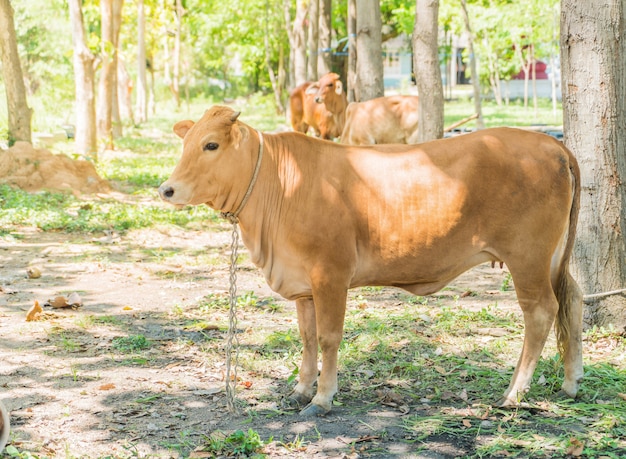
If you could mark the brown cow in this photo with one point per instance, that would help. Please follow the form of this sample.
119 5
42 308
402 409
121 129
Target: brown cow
320 105
391 119
321 218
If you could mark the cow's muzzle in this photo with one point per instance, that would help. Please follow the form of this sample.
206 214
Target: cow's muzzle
166 192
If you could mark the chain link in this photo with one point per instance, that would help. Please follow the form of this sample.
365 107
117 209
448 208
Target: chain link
232 342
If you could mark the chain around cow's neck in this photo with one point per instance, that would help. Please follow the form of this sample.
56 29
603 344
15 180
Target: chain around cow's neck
233 217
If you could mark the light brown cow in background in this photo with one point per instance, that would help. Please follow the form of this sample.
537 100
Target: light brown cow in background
391 119
320 105
319 218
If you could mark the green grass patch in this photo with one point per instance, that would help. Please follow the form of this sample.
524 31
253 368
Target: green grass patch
131 344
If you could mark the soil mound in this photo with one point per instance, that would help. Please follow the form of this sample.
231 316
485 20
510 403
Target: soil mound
33 169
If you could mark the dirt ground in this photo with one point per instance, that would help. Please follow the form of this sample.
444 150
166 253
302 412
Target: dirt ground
69 397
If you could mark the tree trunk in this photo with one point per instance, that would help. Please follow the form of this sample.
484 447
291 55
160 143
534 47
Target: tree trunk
175 84
594 121
17 105
369 62
124 91
84 79
312 40
480 124
351 94
268 64
299 43
324 38
107 77
142 80
115 106
427 70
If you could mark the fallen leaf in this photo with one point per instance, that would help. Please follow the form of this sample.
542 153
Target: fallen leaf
440 370
467 423
622 396
127 308
33 272
33 312
59 302
576 447
247 384
108 386
74 299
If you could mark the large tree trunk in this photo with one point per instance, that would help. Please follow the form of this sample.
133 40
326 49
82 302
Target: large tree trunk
312 40
108 73
480 124
325 38
142 80
19 112
427 70
351 51
369 62
84 79
594 121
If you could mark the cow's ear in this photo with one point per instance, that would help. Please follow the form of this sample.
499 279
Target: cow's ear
182 128
338 87
312 89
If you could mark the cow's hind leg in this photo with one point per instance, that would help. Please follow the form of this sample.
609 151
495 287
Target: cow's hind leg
573 354
304 390
539 305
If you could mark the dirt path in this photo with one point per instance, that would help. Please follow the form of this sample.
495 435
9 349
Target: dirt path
72 392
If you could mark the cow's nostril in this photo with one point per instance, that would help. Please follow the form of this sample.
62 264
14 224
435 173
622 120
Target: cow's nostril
167 192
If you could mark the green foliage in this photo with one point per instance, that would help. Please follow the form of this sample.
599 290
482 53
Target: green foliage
131 344
238 444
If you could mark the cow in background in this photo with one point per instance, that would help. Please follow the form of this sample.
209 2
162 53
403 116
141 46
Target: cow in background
391 119
319 105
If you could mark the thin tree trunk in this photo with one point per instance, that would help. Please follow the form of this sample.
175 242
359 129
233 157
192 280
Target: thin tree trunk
299 43
594 121
427 70
175 85
107 77
124 91
17 105
480 124
268 64
352 51
312 40
84 79
115 107
142 81
324 64
369 50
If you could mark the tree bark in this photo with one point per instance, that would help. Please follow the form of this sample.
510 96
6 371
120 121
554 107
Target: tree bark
312 40
369 62
480 124
594 121
17 105
351 83
324 64
175 84
142 80
427 70
84 78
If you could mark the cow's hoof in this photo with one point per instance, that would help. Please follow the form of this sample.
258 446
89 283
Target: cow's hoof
5 426
295 401
314 410
562 395
506 403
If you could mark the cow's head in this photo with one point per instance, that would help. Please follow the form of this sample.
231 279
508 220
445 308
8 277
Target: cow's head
212 162
329 89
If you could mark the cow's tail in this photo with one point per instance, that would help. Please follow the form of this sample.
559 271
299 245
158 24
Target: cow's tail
566 289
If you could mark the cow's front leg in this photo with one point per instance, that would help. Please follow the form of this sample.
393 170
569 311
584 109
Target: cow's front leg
304 390
330 308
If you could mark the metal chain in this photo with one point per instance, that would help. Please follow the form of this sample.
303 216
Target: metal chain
232 342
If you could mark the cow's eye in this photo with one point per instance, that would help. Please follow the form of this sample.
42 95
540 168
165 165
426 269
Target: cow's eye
210 146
